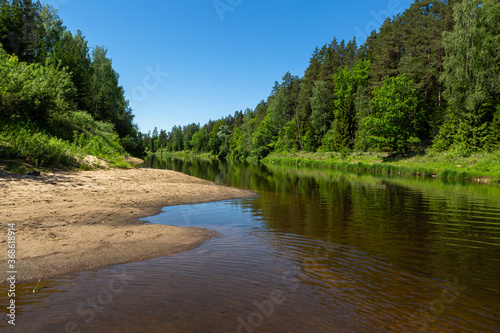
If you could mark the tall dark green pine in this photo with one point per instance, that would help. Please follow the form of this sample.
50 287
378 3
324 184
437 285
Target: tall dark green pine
72 52
11 27
106 95
351 53
422 59
306 91
348 82
321 116
387 50
344 126
21 28
331 63
31 30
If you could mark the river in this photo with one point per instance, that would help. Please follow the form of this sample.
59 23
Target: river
318 250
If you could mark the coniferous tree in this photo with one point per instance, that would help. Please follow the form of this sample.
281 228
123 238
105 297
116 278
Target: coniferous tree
347 82
31 38
387 51
71 52
422 59
307 84
12 27
321 116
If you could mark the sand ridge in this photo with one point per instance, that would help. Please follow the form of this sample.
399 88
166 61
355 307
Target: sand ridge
73 221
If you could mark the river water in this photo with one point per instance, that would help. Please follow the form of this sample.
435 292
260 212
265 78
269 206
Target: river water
318 250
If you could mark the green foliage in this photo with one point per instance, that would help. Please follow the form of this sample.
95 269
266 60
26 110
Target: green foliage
480 166
177 143
72 53
393 125
493 142
189 132
199 140
321 114
37 147
247 129
46 76
21 29
347 84
215 140
405 91
235 144
263 140
224 136
105 100
471 76
31 91
290 137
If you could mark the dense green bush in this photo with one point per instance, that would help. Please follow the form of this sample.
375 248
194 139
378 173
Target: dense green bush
32 92
37 147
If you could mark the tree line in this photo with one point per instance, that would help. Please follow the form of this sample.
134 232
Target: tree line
429 79
52 81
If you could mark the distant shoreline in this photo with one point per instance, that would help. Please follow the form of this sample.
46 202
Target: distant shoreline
74 221
481 167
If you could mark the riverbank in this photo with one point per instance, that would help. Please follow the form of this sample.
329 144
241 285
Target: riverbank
478 167
72 221
483 167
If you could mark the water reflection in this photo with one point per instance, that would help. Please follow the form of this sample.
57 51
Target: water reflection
317 251
427 226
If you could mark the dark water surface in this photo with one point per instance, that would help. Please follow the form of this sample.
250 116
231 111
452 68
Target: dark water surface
318 251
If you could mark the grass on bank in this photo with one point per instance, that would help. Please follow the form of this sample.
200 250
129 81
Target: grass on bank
483 166
185 154
28 148
479 167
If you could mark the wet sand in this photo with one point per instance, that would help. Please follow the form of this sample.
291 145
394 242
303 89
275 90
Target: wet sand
73 221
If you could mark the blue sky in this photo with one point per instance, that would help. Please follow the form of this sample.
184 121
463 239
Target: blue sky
185 61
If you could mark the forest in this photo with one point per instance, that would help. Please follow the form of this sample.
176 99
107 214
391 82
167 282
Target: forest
59 99
428 81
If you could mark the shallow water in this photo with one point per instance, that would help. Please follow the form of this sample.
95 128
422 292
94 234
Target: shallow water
318 251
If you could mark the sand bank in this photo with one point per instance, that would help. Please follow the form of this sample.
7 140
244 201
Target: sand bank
73 221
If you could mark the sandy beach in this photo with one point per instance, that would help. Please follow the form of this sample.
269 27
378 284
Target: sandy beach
73 221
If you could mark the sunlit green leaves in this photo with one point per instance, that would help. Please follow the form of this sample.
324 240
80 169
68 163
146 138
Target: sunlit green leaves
395 120
32 91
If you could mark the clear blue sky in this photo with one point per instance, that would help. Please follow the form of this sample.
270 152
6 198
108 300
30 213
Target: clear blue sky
221 56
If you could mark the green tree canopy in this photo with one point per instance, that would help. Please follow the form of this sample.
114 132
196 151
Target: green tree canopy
394 122
471 75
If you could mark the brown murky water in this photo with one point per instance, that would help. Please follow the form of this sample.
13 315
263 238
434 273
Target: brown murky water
317 251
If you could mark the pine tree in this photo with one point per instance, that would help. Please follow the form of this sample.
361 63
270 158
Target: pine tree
321 116
387 51
31 30
71 52
347 82
12 27
422 59
307 84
